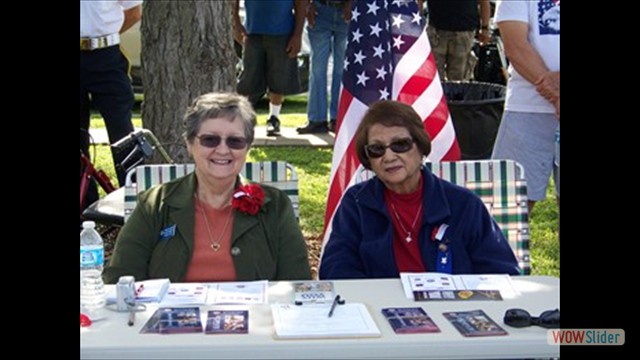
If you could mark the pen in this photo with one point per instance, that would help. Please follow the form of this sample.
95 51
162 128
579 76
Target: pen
333 306
139 290
132 314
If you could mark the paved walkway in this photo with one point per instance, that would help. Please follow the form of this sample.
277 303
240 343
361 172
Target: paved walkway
289 137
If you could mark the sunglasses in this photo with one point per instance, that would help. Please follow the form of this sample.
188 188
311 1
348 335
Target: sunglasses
233 142
549 319
399 146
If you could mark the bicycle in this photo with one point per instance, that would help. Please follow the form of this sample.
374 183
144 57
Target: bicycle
140 144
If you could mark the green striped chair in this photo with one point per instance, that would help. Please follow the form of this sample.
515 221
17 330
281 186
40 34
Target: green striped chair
279 174
502 187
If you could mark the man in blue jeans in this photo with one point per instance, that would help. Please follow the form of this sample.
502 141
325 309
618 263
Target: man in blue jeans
328 25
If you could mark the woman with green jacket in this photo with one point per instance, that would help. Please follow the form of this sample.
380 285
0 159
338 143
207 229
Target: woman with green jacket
212 225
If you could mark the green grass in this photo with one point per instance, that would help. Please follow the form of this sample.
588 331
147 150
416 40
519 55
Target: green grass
98 123
313 166
545 238
292 114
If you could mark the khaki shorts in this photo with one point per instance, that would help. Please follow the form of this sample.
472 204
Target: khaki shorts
529 139
452 52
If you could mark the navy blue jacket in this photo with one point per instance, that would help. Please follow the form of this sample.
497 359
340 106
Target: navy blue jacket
361 241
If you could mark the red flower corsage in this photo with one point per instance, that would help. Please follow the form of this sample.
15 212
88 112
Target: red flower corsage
248 199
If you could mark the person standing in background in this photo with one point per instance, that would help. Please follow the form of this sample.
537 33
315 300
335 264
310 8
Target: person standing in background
530 124
452 29
328 25
104 73
272 37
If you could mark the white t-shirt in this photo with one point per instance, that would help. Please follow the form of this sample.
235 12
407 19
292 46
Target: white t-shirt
543 17
100 18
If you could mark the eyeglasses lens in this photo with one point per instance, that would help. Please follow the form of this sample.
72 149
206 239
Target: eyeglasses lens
549 319
233 142
400 146
517 318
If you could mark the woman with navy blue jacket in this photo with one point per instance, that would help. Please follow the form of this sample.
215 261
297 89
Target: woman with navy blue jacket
405 219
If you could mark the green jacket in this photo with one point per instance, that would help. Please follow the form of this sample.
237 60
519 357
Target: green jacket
266 246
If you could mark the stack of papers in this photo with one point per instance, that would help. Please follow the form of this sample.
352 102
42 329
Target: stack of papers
167 294
438 286
152 290
147 291
186 294
311 321
242 292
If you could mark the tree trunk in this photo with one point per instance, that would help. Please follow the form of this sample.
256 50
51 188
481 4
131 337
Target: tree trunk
187 50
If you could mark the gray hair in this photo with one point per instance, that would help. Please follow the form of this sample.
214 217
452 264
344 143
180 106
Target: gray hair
219 105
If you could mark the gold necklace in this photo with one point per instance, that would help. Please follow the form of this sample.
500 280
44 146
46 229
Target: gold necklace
408 238
215 245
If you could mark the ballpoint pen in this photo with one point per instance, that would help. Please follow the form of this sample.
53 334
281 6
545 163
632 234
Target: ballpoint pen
139 290
132 314
333 306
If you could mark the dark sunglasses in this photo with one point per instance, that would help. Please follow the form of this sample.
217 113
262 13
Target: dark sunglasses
399 146
549 319
233 142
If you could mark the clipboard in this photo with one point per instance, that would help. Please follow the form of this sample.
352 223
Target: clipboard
311 321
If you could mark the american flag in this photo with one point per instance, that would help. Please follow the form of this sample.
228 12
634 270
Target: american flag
388 58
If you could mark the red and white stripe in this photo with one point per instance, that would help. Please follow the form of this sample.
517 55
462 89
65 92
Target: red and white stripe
415 82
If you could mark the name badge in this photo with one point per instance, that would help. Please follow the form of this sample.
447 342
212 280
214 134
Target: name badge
444 258
168 232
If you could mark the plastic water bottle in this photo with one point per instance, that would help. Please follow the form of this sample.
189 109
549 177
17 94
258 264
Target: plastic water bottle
92 292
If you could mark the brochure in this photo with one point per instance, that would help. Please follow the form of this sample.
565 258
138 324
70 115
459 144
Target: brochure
443 287
227 322
474 323
169 320
410 320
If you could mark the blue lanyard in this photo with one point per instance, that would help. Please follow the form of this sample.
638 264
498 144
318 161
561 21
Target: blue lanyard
444 260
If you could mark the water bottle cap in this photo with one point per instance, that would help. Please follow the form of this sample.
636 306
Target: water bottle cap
88 224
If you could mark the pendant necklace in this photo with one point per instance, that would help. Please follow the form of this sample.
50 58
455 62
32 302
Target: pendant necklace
408 239
215 245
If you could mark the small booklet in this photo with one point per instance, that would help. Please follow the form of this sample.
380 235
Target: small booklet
318 292
227 322
410 320
474 323
173 321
